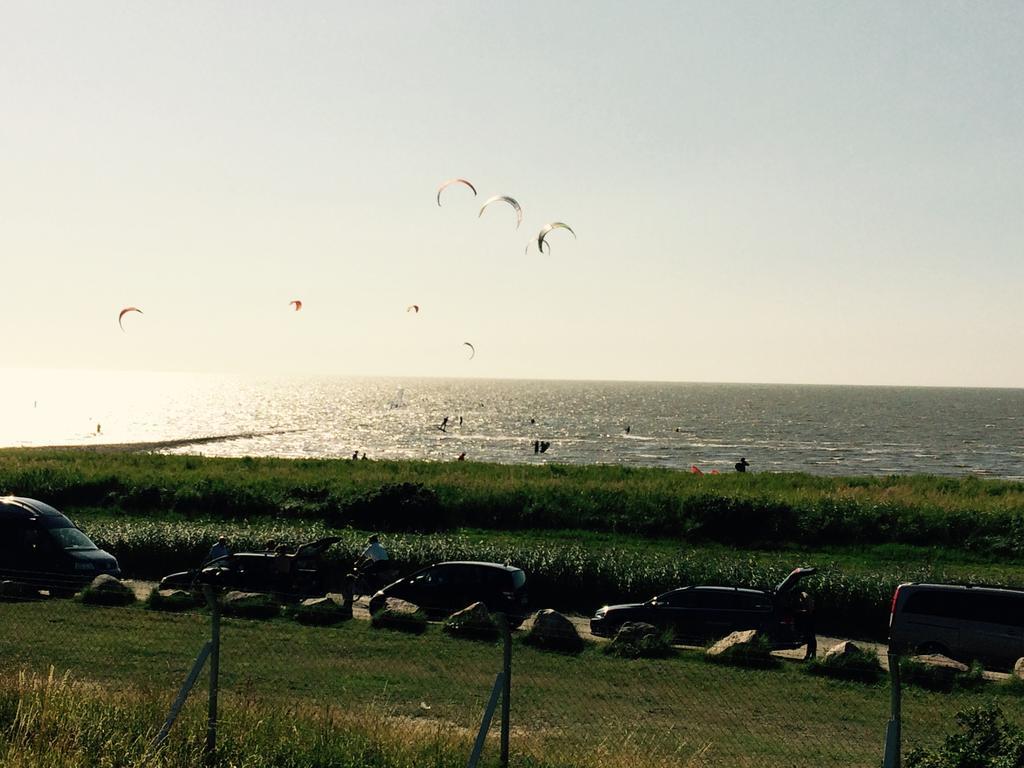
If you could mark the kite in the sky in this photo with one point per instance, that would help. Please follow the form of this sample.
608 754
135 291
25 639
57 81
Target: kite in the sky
546 229
449 183
297 303
413 308
125 311
472 349
504 198
527 250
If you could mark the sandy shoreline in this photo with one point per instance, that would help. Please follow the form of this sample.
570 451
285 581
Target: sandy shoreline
146 447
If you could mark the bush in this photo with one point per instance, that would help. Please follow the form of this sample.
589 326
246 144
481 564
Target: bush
987 740
861 666
933 677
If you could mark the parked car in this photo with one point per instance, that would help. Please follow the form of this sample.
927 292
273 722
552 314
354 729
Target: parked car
292 575
444 588
702 613
959 621
41 547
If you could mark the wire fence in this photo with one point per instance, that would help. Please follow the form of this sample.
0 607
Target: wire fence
305 681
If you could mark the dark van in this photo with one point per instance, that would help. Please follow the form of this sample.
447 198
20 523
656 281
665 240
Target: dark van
445 588
42 548
959 621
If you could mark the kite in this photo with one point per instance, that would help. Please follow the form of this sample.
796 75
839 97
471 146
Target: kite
125 311
527 250
472 349
413 308
547 228
505 199
449 183
297 303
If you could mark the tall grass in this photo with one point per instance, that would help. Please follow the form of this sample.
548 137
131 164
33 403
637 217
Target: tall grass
56 722
569 577
746 510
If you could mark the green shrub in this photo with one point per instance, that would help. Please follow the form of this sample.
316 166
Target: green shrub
987 739
860 666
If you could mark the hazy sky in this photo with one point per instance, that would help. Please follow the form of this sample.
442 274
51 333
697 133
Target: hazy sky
766 192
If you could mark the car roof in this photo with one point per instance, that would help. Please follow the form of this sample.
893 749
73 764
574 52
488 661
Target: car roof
499 566
958 587
22 508
703 588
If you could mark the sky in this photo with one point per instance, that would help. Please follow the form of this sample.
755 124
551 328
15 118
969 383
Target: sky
795 192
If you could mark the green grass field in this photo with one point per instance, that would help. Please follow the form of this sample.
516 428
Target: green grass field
567 710
585 536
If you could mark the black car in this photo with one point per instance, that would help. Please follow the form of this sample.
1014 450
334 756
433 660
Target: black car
444 588
699 614
39 546
291 575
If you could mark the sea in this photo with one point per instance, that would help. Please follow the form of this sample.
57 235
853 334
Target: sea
821 430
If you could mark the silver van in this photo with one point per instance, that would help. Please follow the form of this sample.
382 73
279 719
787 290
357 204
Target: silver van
959 621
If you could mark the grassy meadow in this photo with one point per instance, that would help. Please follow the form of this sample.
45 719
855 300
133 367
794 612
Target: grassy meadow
354 696
327 695
586 535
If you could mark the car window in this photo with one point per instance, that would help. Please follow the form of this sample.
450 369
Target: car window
752 601
713 599
71 539
989 607
681 598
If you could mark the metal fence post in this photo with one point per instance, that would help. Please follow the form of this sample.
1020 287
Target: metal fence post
211 719
892 733
506 666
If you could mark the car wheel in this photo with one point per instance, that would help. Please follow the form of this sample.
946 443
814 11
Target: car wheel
376 603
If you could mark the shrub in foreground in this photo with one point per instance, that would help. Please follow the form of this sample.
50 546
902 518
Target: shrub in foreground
987 739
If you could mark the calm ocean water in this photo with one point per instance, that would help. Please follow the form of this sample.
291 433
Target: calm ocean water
826 430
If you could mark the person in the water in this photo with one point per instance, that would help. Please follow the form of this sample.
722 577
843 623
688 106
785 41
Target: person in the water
742 464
